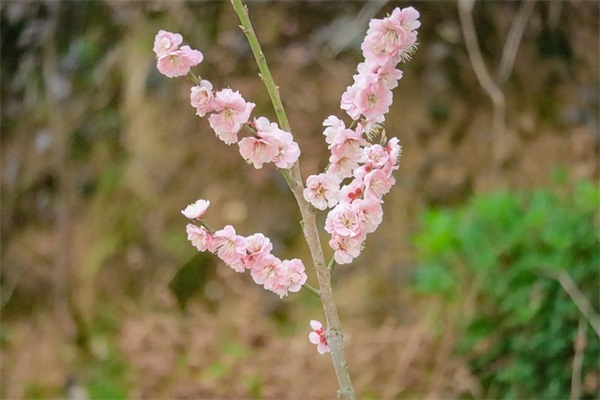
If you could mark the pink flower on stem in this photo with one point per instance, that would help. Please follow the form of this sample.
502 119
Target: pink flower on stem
346 248
201 98
179 62
370 213
375 156
334 127
391 38
377 184
341 164
231 113
344 220
265 272
200 238
257 151
231 248
294 277
258 246
322 191
196 210
166 42
318 337
395 150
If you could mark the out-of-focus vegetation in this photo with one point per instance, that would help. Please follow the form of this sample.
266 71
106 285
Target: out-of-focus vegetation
498 262
101 292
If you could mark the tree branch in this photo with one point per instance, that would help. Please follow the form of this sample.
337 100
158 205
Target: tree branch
309 225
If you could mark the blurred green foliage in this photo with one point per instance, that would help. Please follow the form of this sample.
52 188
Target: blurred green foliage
500 255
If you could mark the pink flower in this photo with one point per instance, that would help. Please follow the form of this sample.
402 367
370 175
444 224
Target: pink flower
334 127
346 248
341 165
322 191
178 62
370 213
200 238
289 151
232 112
258 246
294 277
318 337
166 42
196 210
375 156
257 151
343 220
367 96
201 98
266 272
378 183
391 38
394 149
231 248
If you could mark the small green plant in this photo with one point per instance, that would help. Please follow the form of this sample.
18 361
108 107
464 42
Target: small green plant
527 265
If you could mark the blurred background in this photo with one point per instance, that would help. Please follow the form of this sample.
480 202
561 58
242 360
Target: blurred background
482 281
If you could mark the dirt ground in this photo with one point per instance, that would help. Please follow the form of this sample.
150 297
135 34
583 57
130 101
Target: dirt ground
100 153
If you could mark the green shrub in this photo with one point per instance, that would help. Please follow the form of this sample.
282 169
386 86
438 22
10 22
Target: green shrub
505 252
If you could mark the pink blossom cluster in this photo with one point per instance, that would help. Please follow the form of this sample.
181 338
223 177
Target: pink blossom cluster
228 110
245 253
388 42
359 173
172 60
318 337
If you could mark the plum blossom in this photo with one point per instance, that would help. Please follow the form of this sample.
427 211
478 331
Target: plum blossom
378 183
266 272
166 42
271 144
295 275
196 210
322 191
346 248
257 151
231 113
318 337
231 248
201 98
178 62
344 220
258 246
200 238
370 213
375 156
393 37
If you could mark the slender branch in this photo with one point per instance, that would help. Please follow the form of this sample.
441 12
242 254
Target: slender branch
312 289
579 345
582 303
265 73
514 40
465 8
309 225
331 264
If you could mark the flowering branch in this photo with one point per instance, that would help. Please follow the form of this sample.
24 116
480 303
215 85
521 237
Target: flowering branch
357 177
309 225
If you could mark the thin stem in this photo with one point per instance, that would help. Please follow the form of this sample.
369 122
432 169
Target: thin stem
311 289
194 78
309 224
331 264
265 73
465 8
